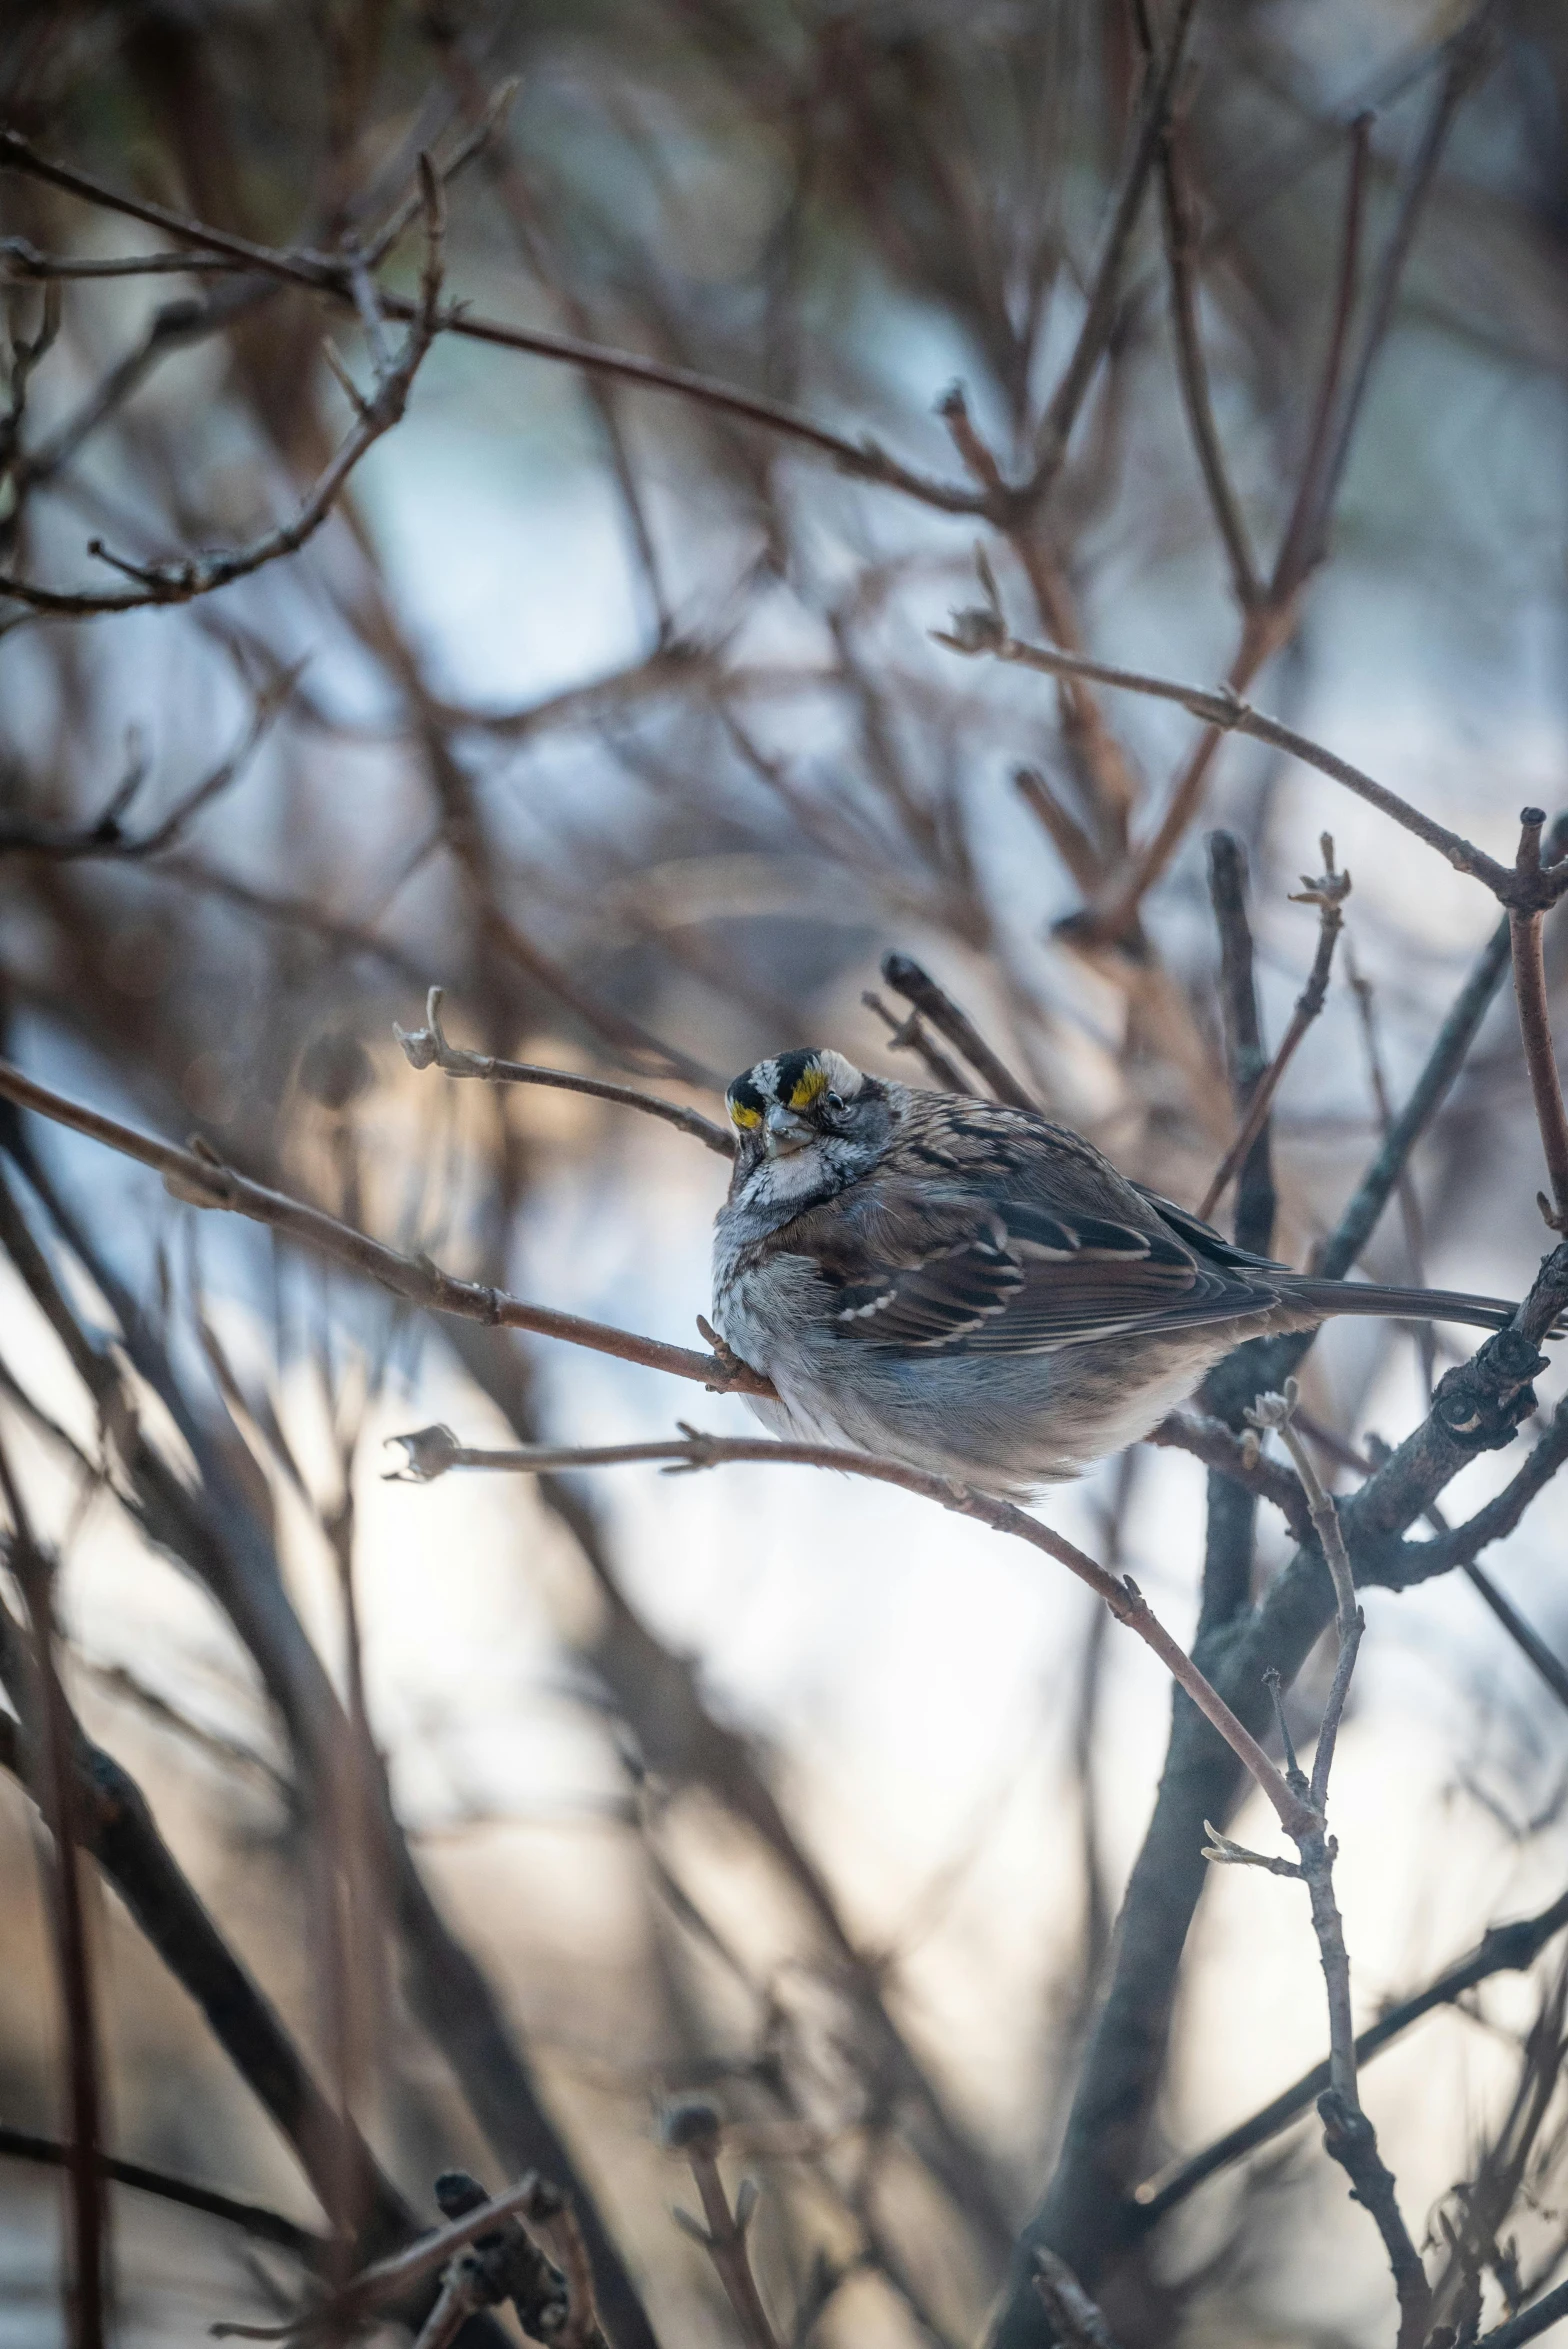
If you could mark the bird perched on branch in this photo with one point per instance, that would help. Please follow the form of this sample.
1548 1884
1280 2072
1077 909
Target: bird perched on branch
977 1290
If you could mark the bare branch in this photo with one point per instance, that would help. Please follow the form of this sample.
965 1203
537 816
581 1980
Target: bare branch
693 2129
1302 541
389 2280
906 978
1219 1447
1503 1949
181 581
34 1685
253 2218
1105 294
430 1452
1530 2323
106 836
325 274
1255 1196
910 1035
201 1179
1347 2133
427 1047
1328 894
1181 244
1524 926
979 631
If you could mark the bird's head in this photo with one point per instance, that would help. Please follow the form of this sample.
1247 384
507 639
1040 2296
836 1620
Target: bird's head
806 1123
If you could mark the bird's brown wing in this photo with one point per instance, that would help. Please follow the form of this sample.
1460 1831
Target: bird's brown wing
913 1271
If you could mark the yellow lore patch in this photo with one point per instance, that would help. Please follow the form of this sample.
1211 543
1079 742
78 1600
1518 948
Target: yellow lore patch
743 1117
811 1086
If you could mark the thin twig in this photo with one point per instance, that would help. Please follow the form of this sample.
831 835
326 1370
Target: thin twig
430 1452
327 274
1181 245
1409 1204
1348 2135
388 2280
1524 925
982 631
1443 1063
427 1047
1328 894
1255 1195
105 836
1530 2323
692 2128
268 2226
910 1035
1219 1447
22 261
182 580
1105 293
1502 1949
1302 540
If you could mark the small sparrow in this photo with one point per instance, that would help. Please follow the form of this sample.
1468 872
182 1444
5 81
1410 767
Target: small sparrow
975 1290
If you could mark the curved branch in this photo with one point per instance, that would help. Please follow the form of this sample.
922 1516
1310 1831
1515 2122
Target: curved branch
431 1451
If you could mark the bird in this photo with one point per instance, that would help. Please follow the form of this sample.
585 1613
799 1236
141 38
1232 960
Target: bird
975 1290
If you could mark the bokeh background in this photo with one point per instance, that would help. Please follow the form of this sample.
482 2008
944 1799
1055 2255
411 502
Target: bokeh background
622 720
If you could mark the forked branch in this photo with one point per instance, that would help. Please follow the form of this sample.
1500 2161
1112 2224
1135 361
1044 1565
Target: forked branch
183 580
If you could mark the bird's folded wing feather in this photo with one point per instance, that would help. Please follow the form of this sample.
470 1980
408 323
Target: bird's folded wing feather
913 1272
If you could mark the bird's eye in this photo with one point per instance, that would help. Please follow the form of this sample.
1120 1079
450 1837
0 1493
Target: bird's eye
832 1101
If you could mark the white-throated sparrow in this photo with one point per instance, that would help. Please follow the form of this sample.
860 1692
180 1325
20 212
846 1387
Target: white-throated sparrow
974 1289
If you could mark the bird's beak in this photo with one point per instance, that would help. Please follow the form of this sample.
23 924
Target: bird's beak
783 1131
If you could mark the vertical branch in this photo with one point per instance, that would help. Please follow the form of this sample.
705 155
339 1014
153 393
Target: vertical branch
692 2128
1524 932
1409 1204
1303 542
1328 894
1348 2135
1193 375
57 1799
1255 1201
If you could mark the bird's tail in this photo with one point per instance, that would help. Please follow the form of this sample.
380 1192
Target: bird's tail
1334 1297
